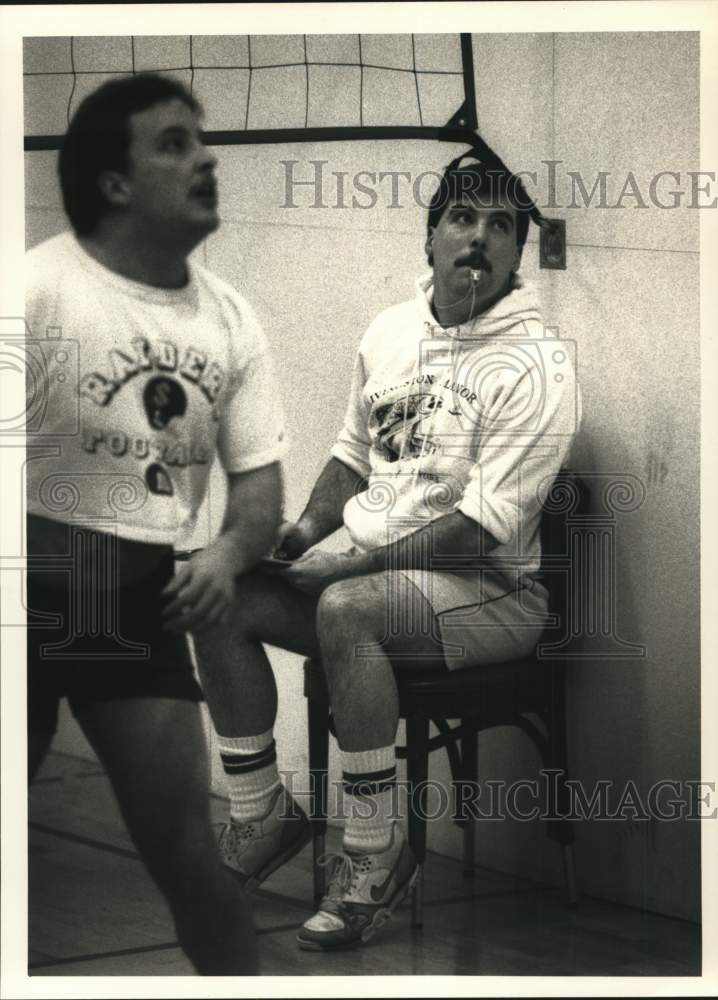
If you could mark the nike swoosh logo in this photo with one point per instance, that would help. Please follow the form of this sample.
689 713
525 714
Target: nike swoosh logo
377 891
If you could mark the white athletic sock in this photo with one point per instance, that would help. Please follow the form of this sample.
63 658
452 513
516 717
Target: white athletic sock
250 767
369 778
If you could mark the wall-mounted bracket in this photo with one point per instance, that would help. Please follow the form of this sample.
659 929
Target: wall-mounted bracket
552 244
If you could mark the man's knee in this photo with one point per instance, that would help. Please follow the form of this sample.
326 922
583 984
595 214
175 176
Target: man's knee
351 611
245 623
340 607
336 598
250 594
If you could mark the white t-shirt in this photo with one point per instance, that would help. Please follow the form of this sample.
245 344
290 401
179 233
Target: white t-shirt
133 389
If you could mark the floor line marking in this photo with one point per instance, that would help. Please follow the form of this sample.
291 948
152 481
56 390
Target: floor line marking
143 949
479 896
86 841
94 956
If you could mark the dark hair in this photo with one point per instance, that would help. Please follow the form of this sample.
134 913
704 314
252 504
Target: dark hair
490 177
98 138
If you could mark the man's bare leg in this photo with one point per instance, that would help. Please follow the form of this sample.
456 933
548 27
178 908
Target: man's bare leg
241 693
355 613
266 828
153 750
235 672
38 744
364 623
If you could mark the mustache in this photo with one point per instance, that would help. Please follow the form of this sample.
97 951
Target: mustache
207 186
476 260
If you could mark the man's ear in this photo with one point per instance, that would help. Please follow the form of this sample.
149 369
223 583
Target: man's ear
115 187
428 245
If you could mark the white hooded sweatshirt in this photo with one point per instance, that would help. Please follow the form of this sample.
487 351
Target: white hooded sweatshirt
477 418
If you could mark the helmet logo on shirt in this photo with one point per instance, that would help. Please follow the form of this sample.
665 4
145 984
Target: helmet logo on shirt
158 481
163 398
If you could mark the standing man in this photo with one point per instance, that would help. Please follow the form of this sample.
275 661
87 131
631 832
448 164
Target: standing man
461 411
173 368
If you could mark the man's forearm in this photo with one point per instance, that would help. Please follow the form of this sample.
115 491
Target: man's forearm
453 535
337 484
252 515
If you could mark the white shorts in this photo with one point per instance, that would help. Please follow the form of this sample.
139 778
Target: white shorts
483 617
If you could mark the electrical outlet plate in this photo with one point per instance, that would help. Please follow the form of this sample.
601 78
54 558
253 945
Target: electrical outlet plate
552 244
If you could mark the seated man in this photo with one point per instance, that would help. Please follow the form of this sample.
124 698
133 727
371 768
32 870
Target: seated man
460 409
172 368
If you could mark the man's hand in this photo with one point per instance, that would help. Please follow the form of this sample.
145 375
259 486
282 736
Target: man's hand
202 593
293 539
322 516
314 572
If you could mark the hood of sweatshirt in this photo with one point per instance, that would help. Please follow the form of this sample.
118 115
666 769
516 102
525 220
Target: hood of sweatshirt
520 305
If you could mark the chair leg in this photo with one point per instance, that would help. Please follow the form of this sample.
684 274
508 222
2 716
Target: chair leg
559 827
417 900
417 772
319 871
470 769
318 720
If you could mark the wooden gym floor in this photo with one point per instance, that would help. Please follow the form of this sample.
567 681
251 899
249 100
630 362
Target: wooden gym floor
94 911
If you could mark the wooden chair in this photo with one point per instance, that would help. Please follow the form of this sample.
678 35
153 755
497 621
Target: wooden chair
479 697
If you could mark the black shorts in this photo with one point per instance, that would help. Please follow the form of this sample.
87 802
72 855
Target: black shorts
94 622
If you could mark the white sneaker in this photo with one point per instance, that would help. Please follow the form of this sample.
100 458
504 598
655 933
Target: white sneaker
364 891
254 850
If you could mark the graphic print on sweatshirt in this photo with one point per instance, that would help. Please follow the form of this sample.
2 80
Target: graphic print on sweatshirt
402 428
165 404
407 421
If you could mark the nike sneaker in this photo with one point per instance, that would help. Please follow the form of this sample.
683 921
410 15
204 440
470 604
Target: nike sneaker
364 890
254 850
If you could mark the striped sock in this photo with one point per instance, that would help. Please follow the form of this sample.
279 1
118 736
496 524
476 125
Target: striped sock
250 767
369 781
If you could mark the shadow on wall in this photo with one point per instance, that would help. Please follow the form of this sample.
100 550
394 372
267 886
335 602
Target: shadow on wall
603 643
608 676
619 751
